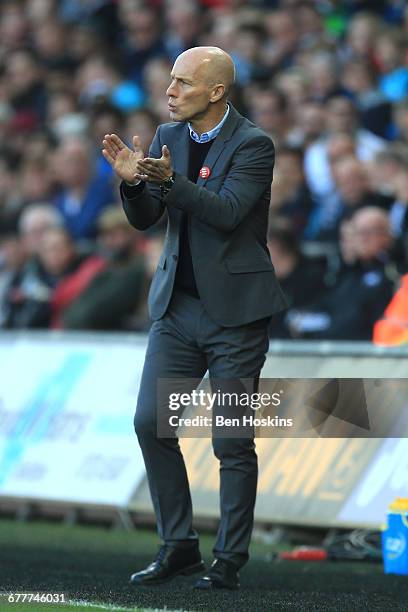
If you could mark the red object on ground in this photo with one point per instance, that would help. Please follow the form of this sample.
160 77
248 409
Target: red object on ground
305 553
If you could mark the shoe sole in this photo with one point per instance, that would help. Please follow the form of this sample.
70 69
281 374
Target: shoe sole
186 571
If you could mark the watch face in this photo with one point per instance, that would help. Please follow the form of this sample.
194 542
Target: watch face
167 185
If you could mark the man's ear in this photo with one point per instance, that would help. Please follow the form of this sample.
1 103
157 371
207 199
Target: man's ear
217 92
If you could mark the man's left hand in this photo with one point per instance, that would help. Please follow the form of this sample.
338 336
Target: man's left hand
155 170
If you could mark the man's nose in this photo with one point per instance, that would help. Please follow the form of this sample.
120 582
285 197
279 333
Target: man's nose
171 90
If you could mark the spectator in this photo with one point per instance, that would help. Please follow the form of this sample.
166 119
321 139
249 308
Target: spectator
102 15
323 73
294 200
47 285
142 122
294 85
99 77
341 117
104 119
327 211
116 292
84 43
152 251
270 111
309 124
337 317
390 176
25 89
361 36
156 77
248 52
83 193
36 181
353 191
374 109
142 41
51 42
184 27
283 36
14 27
10 203
301 278
352 184
340 145
310 25
34 222
391 52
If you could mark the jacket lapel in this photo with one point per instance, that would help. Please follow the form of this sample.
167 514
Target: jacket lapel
218 145
181 149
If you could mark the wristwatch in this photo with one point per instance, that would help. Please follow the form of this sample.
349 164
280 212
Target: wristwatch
166 185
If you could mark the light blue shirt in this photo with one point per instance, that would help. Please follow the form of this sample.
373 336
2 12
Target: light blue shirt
206 136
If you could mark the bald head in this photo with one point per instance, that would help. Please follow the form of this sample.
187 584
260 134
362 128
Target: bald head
372 217
200 81
211 64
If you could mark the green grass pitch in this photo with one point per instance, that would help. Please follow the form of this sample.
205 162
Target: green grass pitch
92 565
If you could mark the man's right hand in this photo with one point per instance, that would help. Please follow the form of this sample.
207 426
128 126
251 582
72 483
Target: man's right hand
122 159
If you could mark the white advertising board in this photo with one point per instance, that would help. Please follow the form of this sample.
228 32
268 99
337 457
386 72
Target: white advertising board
385 479
66 419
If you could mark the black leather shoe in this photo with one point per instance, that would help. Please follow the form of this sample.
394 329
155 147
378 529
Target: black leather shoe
169 562
221 575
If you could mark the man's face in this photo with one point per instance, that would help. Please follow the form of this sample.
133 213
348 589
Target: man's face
56 252
117 239
372 238
352 182
291 168
189 92
266 111
340 115
72 164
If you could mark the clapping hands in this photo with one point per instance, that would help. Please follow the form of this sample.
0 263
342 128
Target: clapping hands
133 166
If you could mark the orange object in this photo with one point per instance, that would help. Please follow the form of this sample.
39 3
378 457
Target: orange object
392 329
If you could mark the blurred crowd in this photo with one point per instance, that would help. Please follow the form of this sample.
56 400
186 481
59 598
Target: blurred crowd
327 79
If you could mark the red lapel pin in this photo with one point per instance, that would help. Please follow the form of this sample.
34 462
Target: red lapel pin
205 172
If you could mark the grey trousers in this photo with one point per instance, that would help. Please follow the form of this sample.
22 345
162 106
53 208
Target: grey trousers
184 344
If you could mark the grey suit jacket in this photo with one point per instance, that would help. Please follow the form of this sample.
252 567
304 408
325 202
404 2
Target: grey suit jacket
228 219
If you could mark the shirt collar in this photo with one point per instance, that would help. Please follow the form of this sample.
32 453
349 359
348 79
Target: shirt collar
207 136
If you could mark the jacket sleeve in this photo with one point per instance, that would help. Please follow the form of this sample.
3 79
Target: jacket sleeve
142 203
249 176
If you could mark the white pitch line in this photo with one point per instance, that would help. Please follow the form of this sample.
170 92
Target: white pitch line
111 607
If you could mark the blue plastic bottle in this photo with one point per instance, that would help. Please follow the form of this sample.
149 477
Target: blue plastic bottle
395 538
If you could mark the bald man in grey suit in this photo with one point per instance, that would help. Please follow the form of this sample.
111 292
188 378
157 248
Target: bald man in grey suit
211 298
